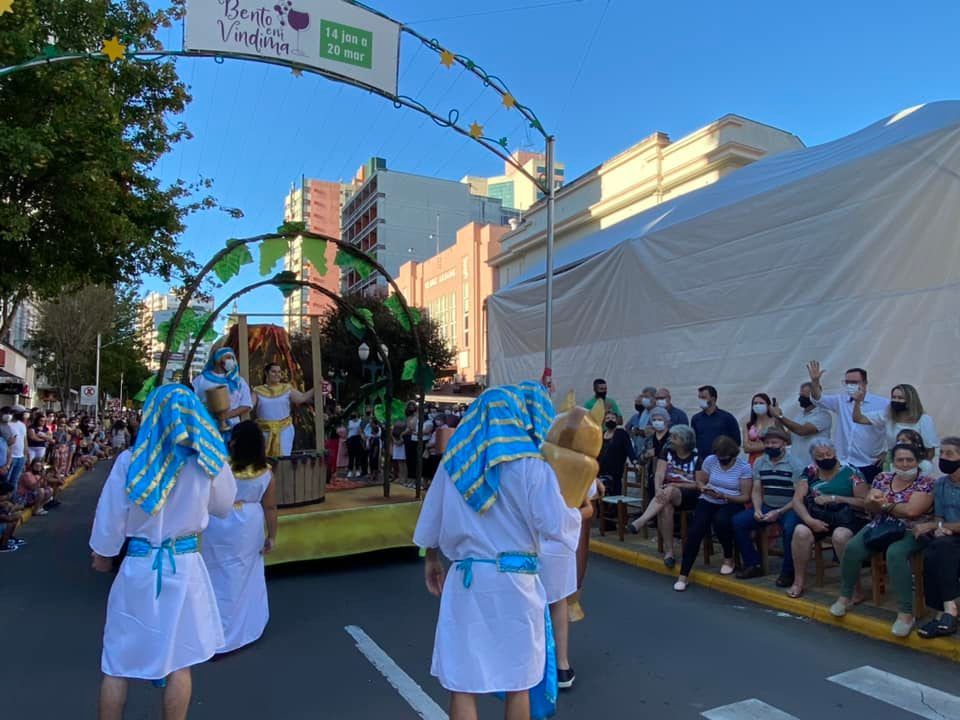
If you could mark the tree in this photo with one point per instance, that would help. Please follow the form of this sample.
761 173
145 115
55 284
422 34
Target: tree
78 140
64 345
339 345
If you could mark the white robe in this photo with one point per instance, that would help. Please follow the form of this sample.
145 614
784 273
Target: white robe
146 636
238 398
231 550
277 408
490 637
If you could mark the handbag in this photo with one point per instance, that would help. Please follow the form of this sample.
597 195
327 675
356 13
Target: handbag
835 514
883 532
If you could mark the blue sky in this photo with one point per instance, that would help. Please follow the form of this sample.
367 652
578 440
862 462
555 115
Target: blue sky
818 69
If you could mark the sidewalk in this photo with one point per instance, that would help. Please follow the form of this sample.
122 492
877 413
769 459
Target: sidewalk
866 619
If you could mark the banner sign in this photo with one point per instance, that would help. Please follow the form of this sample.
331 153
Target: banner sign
329 35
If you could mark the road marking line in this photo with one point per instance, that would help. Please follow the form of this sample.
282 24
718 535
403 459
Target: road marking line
922 700
416 698
752 709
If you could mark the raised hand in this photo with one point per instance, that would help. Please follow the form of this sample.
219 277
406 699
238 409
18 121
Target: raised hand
815 371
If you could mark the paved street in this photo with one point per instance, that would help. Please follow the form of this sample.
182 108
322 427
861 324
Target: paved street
643 652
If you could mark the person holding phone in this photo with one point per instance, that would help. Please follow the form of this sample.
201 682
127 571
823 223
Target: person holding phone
725 481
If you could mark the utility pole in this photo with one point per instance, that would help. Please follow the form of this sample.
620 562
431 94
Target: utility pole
96 407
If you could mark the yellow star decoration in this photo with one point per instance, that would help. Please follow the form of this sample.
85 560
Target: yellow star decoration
114 49
509 101
476 131
447 59
6 6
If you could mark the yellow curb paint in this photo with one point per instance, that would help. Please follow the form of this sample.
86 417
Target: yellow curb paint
861 624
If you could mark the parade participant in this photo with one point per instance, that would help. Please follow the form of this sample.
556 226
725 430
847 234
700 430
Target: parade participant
162 613
492 503
233 547
274 402
221 371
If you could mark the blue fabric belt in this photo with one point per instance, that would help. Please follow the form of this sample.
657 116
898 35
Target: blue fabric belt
507 562
141 547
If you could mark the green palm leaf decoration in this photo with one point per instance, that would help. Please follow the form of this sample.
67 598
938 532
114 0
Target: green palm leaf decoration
315 250
230 264
270 252
349 261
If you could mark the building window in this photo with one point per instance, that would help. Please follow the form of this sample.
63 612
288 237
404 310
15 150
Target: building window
466 313
443 311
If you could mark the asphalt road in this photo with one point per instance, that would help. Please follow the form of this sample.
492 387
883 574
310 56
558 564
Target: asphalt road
643 651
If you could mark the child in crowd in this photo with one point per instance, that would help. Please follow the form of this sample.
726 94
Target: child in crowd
9 520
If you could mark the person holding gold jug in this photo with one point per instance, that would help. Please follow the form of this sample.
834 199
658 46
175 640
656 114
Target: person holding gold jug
274 403
222 390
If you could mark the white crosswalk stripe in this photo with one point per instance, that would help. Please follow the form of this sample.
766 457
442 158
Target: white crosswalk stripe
927 702
752 709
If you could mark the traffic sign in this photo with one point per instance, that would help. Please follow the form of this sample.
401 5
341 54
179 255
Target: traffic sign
88 394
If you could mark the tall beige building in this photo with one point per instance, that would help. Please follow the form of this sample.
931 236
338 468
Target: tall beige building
515 189
646 174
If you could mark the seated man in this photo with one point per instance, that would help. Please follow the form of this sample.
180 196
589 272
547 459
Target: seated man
775 477
492 503
9 519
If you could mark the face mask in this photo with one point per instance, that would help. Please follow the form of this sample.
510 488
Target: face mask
949 467
611 424
645 402
760 408
704 404
852 389
661 403
638 407
897 406
229 364
773 453
907 474
658 424
601 395
827 464
805 402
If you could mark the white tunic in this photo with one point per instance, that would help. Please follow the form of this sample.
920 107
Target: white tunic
277 408
238 398
231 550
146 636
490 637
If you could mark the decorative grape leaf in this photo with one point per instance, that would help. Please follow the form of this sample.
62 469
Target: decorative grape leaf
349 261
380 414
425 377
397 410
285 282
315 250
148 385
410 369
271 251
367 316
230 264
395 307
292 228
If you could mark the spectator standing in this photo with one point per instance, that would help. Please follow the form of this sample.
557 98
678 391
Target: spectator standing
639 423
37 439
4 451
372 434
905 412
18 448
760 419
811 424
614 452
712 422
859 445
663 400
354 446
941 540
776 478
600 395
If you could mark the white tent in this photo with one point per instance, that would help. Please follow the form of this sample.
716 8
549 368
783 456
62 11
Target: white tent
846 252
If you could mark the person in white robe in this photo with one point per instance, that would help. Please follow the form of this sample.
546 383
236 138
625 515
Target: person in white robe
233 547
491 505
162 614
221 371
273 403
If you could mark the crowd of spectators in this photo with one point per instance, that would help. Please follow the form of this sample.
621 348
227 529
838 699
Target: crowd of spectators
866 473
39 450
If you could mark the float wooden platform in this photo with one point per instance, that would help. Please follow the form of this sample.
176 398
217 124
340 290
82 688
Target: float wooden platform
348 522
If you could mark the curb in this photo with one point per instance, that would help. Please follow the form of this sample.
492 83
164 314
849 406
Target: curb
855 622
67 482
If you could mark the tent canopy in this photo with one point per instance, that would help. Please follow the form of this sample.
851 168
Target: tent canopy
844 252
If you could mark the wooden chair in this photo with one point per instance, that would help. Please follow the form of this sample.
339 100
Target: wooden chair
685 516
639 472
764 536
878 579
621 503
819 563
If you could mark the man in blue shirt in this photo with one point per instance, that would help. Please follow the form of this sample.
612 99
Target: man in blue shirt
712 422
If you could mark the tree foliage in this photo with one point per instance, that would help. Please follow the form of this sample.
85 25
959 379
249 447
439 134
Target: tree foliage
78 141
339 344
64 345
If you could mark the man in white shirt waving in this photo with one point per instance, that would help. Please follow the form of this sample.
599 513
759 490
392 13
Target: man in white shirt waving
859 445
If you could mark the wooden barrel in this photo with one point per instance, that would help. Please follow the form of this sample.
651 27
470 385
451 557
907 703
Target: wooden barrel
301 479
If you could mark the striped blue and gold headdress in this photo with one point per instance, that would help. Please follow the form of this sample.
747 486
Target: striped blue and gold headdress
503 424
175 427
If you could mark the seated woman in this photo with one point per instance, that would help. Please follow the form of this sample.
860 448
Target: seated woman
904 495
941 537
725 481
833 497
675 487
912 437
273 402
233 547
31 492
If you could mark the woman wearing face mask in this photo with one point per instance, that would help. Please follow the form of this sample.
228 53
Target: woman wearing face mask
905 412
912 437
903 495
613 454
833 497
760 419
221 371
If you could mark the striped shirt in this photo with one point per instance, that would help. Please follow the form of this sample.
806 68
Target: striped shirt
777 478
